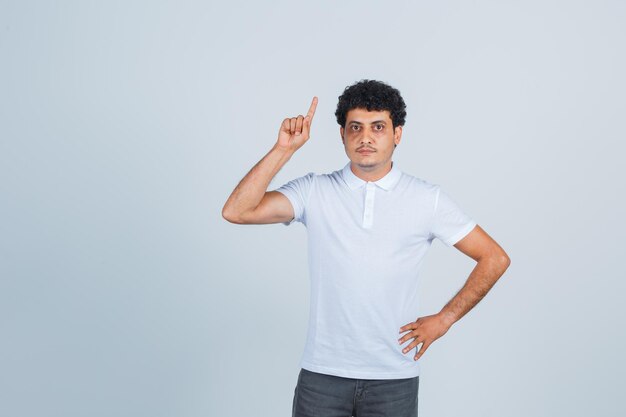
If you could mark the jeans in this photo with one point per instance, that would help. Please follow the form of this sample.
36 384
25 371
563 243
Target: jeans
321 395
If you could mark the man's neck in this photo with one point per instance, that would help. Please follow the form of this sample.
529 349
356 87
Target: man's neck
372 175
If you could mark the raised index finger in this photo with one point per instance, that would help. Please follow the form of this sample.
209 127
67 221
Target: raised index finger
311 112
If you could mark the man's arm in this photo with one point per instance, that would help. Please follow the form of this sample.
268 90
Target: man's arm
249 202
491 260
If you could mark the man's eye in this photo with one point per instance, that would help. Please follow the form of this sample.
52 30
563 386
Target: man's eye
379 127
355 127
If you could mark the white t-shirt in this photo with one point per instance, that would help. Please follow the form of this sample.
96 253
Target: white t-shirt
366 242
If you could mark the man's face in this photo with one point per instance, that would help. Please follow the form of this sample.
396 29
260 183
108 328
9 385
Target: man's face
369 138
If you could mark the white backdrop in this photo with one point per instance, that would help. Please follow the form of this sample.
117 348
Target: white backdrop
124 126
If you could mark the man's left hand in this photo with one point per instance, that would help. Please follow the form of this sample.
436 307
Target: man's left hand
424 330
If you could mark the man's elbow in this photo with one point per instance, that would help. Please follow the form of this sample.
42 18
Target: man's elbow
497 259
504 261
231 217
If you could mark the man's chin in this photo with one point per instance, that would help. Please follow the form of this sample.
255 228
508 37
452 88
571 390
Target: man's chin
365 165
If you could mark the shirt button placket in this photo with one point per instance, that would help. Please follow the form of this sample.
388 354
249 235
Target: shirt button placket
368 211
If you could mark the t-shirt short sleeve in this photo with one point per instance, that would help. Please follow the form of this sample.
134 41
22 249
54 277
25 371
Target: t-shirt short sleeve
450 224
297 191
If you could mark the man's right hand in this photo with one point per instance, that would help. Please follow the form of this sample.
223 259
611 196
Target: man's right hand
250 203
294 132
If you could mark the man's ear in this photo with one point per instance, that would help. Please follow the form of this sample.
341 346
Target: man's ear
341 133
397 135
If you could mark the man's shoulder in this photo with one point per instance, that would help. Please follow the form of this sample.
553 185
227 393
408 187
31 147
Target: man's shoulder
416 183
319 179
326 177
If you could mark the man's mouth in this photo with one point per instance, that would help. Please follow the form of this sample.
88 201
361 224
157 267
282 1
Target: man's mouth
366 151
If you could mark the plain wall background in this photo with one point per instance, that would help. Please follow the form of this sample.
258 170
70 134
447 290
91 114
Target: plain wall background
124 126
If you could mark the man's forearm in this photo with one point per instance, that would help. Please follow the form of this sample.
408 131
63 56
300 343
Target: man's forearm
484 275
251 189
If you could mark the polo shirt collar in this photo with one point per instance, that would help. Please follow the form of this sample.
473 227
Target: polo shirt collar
387 182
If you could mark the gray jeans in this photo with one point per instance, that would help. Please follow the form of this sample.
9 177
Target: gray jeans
321 395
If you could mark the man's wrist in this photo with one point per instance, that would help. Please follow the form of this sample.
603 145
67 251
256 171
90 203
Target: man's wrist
285 151
447 317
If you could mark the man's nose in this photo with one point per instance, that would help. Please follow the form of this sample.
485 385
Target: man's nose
365 138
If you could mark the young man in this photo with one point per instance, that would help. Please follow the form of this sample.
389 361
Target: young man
369 226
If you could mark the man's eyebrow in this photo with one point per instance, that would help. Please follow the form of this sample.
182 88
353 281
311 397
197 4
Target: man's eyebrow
359 123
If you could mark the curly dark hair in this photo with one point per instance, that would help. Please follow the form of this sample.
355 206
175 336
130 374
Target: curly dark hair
371 95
